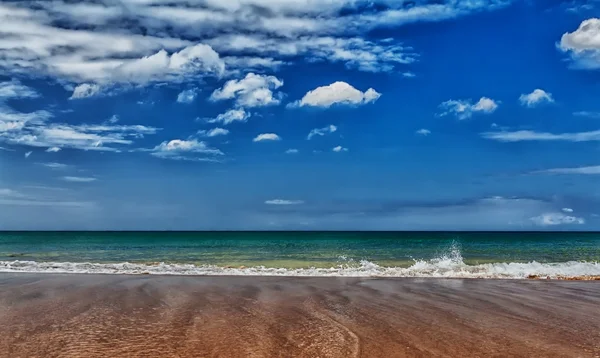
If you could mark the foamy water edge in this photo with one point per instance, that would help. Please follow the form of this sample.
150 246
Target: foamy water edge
433 268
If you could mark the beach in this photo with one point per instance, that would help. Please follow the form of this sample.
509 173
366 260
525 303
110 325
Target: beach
85 315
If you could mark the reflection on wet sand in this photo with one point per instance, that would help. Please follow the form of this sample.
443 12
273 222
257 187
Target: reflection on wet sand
157 316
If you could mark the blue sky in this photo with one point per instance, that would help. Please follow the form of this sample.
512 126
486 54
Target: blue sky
300 114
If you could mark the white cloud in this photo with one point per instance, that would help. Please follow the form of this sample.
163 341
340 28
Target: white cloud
178 149
114 119
53 150
232 115
187 96
266 137
291 151
54 165
536 97
86 90
567 210
354 52
337 93
84 136
254 90
464 109
553 219
28 154
408 75
424 132
95 42
214 132
583 44
526 135
590 170
14 89
78 179
321 131
339 149
284 202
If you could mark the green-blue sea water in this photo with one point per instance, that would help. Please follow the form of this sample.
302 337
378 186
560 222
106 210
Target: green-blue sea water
298 249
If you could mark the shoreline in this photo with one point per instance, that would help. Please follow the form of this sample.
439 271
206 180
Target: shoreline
264 316
148 274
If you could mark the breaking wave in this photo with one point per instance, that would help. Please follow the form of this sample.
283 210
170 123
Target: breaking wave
449 264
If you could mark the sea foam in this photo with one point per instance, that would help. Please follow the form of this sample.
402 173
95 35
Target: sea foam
449 264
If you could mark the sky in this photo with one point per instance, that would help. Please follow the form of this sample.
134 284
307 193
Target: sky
300 115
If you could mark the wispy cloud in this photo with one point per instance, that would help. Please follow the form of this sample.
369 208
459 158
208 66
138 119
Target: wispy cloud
253 33
590 170
595 115
526 135
266 137
79 179
554 219
214 132
231 116
423 132
10 197
464 109
321 131
291 151
54 165
339 149
337 93
190 150
283 202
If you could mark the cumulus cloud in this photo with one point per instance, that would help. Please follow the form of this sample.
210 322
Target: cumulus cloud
583 44
423 132
231 116
86 90
536 97
526 135
283 202
266 137
553 219
337 93
339 149
53 150
464 109
254 90
79 179
322 131
567 210
187 96
178 149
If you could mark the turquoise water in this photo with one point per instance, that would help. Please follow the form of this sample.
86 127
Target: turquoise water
293 251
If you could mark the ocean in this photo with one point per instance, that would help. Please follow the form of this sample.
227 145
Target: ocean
362 254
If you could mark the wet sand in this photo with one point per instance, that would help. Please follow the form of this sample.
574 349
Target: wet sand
170 316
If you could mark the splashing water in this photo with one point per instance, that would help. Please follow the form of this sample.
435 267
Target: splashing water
448 264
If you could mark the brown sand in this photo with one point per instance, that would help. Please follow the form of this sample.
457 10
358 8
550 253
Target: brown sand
152 316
